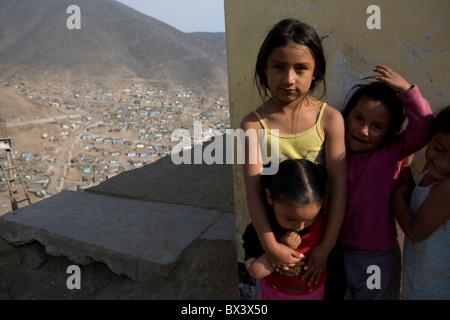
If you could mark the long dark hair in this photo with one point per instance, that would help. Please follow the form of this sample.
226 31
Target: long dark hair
299 180
280 35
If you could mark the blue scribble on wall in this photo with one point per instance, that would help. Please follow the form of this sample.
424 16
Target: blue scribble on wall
292 9
441 94
346 81
417 49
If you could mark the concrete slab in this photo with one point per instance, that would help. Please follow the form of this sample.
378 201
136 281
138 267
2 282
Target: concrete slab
127 235
170 228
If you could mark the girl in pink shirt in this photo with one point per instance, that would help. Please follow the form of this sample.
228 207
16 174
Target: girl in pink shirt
375 150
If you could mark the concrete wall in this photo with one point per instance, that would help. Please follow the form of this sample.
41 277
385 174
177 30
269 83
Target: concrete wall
413 39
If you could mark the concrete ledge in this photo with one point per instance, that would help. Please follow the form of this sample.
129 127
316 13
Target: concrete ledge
141 239
163 231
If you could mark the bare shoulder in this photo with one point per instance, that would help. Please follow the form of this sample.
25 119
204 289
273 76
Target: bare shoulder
332 112
250 121
332 118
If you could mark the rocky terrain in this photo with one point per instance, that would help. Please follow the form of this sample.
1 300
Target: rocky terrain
114 45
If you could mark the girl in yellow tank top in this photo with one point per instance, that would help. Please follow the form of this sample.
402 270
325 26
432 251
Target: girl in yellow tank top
289 66
309 144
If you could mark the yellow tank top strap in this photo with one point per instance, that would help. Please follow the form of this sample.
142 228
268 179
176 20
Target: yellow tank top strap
260 119
319 118
322 109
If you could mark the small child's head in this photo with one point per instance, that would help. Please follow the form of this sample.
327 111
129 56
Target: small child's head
438 150
373 116
296 193
281 35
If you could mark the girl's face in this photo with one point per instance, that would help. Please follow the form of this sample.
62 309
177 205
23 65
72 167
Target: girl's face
367 125
438 155
292 216
289 71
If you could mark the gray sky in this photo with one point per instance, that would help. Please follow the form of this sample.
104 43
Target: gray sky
184 15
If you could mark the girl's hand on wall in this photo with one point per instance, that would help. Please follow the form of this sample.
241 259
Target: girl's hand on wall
392 79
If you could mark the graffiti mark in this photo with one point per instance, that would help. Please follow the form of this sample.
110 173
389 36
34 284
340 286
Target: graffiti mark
441 93
327 35
416 51
346 79
292 9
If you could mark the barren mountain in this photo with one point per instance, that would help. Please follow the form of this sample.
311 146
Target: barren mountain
16 107
114 43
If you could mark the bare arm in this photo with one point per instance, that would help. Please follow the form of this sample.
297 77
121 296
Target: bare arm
333 125
433 212
278 254
259 267
405 176
336 165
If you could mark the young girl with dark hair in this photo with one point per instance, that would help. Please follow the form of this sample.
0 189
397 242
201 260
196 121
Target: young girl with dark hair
294 195
376 149
290 66
423 213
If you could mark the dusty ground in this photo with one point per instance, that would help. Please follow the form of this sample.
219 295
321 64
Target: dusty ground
5 200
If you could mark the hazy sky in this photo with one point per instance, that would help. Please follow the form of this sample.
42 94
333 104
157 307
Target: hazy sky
184 15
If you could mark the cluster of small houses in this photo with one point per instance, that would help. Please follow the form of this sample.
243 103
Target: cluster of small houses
35 171
147 113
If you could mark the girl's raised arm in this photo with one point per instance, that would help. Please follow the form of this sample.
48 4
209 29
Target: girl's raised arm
417 109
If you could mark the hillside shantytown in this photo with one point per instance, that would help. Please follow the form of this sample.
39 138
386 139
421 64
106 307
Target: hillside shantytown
106 131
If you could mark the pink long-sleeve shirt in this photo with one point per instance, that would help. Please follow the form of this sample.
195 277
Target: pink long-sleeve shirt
372 177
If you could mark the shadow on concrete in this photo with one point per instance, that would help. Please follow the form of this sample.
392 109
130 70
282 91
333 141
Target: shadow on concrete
163 231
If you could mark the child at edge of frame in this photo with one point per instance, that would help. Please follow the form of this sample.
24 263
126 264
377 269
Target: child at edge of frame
422 210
